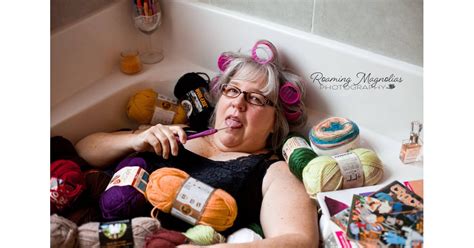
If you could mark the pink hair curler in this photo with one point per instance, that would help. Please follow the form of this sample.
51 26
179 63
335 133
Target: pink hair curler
292 115
223 61
260 45
289 94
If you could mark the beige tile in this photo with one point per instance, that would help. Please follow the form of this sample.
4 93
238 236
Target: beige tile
64 12
389 27
294 13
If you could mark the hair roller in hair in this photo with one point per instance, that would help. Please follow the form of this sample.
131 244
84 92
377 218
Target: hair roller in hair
292 113
289 94
223 61
268 48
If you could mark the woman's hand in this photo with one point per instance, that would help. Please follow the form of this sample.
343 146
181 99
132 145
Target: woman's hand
160 139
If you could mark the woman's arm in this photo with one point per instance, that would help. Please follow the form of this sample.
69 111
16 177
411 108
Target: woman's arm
102 149
288 216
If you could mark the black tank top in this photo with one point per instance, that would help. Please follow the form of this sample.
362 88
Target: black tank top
241 177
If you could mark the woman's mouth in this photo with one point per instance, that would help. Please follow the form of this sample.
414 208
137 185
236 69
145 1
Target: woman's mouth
233 122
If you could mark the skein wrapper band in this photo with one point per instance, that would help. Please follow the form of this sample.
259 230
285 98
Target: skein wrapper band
191 200
116 234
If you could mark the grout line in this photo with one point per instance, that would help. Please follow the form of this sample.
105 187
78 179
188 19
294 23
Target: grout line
312 19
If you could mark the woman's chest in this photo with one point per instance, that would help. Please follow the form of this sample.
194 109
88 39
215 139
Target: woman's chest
205 149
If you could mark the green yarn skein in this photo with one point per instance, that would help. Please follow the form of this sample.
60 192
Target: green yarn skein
300 153
204 235
323 174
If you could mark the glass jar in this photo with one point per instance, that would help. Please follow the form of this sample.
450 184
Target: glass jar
130 62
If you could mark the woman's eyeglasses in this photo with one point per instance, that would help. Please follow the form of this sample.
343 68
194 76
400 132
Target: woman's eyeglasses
251 97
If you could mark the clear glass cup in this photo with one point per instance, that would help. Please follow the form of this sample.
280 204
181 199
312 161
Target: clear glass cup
130 62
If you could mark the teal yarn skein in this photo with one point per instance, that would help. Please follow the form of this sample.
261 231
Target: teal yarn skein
297 153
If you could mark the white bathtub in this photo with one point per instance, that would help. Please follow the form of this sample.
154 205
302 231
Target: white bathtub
89 94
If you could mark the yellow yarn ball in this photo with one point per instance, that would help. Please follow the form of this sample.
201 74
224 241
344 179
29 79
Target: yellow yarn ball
180 117
323 174
141 108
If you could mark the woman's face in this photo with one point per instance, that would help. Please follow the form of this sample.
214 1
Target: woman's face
248 125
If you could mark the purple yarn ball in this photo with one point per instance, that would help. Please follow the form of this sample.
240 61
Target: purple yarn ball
124 202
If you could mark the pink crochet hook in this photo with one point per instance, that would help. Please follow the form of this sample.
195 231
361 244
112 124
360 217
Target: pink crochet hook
203 133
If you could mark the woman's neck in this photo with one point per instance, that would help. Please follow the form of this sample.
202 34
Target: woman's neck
206 147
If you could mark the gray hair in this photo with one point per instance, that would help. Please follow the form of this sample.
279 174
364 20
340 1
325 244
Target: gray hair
275 77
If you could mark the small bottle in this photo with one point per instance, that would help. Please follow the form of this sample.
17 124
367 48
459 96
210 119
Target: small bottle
411 150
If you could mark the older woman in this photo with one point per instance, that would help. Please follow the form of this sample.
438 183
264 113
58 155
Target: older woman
238 159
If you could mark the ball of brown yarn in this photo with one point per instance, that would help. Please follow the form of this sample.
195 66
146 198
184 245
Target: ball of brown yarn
88 235
63 232
86 208
96 183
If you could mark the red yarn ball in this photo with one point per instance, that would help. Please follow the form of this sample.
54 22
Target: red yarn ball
67 183
164 238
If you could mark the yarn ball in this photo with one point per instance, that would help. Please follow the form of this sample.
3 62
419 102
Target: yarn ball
142 227
257 229
87 208
165 183
188 82
164 238
124 202
243 235
204 235
67 183
63 232
323 174
297 153
85 212
334 135
141 108
192 90
96 182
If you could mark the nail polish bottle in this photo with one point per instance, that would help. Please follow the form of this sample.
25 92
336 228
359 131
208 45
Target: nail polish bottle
411 150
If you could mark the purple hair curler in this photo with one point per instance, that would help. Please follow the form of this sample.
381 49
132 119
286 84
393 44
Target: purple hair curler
289 94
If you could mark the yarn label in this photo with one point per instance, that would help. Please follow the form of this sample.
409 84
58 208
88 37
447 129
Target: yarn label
116 234
191 200
60 193
351 170
133 176
162 116
291 145
165 110
199 98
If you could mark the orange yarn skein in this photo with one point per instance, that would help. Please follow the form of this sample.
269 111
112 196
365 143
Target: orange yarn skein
220 211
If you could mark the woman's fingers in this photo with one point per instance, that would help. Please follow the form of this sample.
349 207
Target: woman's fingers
163 140
159 132
154 143
181 134
170 139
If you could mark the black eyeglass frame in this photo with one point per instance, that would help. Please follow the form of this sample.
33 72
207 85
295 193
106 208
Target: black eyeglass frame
246 95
